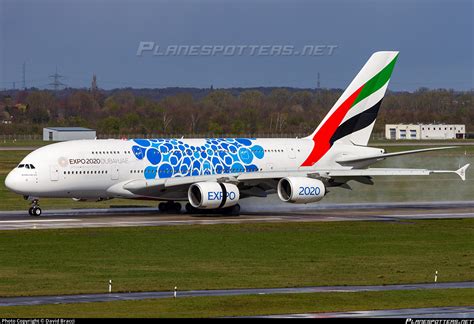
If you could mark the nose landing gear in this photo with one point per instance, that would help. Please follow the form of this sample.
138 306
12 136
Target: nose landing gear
35 210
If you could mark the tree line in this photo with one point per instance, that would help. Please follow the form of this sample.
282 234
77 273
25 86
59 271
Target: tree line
220 111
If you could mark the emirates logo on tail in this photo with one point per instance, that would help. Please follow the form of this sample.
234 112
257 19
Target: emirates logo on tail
356 109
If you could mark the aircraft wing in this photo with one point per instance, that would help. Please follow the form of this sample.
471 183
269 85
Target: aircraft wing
257 183
379 157
370 172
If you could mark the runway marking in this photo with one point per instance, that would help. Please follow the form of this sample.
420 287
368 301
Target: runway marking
86 223
171 222
40 221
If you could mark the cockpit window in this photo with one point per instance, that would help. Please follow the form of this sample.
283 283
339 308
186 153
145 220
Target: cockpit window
26 166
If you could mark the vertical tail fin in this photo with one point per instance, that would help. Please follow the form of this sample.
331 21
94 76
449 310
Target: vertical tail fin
352 117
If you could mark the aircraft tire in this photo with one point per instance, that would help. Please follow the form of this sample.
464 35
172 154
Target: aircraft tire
162 207
36 211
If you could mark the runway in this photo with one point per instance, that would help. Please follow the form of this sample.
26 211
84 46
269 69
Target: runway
147 216
87 298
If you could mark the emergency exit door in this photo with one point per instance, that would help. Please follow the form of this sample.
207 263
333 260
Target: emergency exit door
114 172
54 173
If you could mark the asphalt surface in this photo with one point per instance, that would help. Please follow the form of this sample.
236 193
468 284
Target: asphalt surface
436 312
87 298
146 216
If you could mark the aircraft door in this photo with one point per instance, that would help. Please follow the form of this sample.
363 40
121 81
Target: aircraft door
114 172
291 152
54 172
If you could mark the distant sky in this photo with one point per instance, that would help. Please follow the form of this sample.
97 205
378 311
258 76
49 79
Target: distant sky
83 37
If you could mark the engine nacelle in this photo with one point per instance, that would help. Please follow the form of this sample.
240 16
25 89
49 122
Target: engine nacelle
301 190
211 195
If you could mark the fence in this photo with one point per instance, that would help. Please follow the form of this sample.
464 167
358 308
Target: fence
39 137
21 137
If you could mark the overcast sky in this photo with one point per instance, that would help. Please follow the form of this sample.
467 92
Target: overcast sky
80 38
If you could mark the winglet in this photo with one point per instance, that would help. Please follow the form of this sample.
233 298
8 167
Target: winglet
462 172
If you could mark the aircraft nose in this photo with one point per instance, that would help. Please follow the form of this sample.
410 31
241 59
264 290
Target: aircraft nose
11 181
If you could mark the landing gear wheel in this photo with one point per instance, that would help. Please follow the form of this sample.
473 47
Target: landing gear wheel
236 210
162 207
232 211
35 211
177 207
190 209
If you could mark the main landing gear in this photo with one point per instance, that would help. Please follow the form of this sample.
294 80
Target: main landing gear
228 211
35 210
175 208
169 207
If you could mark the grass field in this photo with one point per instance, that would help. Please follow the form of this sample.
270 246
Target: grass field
20 143
44 262
250 305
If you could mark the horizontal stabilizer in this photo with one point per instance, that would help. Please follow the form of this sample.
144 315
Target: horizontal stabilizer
461 172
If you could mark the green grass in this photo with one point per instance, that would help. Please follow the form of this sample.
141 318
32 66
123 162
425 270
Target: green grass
20 143
250 305
66 261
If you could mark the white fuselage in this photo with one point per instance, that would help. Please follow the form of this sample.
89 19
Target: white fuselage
88 169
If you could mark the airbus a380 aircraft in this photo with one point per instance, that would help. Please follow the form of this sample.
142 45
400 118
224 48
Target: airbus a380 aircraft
215 173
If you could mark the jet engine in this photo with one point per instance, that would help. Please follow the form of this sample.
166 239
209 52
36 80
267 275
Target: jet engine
301 190
212 195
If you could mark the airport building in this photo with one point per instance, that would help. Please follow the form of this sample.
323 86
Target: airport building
67 133
424 131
